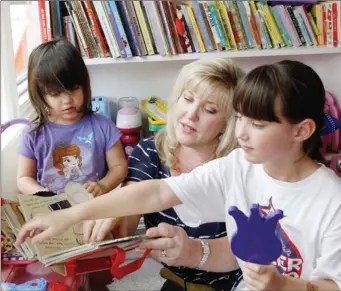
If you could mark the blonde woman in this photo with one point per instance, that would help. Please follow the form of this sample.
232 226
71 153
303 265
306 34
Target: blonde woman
200 128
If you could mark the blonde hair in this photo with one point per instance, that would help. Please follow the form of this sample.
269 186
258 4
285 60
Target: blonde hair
204 77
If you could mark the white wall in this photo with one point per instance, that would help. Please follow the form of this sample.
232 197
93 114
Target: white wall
157 78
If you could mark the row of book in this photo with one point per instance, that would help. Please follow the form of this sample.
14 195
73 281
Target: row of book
140 28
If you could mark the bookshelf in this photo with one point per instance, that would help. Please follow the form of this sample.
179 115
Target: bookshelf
250 53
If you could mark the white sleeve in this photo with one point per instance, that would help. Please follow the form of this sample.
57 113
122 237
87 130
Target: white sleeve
201 192
329 263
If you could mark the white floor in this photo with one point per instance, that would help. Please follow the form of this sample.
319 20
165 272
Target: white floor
147 278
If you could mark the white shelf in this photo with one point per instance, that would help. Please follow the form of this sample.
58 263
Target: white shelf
218 54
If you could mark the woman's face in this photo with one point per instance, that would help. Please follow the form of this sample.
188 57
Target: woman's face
199 122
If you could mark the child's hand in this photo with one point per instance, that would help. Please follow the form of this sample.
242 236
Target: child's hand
94 188
262 277
97 230
45 226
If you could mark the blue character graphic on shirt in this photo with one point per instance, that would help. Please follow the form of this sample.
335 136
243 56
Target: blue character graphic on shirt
87 139
67 159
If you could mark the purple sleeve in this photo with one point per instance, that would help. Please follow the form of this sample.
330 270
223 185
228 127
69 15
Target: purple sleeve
113 135
26 147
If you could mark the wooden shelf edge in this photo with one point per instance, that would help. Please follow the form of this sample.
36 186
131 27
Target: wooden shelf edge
251 53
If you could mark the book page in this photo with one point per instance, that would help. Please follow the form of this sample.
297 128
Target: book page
33 205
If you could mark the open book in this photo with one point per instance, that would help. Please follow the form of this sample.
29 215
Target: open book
59 249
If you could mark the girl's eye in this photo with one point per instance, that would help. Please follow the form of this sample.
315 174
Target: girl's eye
257 125
237 116
66 161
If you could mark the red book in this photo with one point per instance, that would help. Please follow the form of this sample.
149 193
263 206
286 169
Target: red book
43 22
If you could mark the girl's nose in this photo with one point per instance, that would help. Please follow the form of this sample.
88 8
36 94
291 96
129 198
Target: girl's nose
241 132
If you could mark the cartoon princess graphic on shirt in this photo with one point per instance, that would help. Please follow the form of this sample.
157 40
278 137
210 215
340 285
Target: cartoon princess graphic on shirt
67 159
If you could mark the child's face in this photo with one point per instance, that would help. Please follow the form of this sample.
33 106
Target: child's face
265 142
65 108
198 122
70 161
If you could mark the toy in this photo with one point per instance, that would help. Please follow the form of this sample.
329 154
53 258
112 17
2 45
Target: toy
155 108
256 239
330 133
34 285
154 125
129 122
101 105
13 122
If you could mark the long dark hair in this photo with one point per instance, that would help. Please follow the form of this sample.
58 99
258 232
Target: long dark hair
55 67
299 89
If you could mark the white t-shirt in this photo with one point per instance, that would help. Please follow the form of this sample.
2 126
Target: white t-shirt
310 231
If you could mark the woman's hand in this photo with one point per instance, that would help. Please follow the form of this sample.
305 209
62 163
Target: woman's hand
261 277
97 230
45 226
174 248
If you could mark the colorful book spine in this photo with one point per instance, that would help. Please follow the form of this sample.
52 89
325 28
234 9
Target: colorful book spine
114 28
129 28
290 26
246 24
123 36
227 25
290 11
237 26
272 26
145 32
307 23
96 27
281 26
336 22
316 13
189 23
137 28
196 29
81 40
217 24
212 26
156 28
107 31
202 25
259 26
253 25
303 27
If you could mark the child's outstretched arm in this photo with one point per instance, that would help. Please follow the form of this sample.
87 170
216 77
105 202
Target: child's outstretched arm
27 176
144 197
117 171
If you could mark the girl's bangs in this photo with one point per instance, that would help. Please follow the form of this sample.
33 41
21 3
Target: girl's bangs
255 96
59 75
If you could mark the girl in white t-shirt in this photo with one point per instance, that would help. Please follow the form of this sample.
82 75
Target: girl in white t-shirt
279 119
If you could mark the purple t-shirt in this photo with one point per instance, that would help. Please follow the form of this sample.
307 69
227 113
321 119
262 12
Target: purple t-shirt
73 152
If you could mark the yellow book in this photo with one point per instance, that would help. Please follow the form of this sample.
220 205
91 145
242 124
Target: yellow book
316 12
221 23
274 39
226 20
145 32
196 29
272 22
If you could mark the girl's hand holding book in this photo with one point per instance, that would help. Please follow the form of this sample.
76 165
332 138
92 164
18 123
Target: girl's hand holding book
45 226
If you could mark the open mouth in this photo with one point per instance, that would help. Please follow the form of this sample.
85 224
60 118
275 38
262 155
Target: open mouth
186 128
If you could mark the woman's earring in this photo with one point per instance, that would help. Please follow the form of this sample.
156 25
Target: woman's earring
47 110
